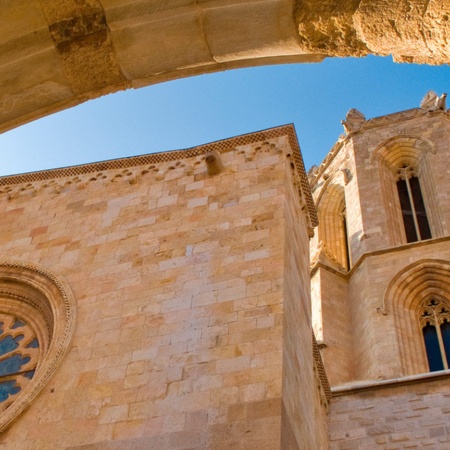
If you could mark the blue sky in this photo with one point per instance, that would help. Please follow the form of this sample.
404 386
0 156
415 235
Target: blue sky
197 110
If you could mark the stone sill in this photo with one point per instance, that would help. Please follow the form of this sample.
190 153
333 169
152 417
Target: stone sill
364 386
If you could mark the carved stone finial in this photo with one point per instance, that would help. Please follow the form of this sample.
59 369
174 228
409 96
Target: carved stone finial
354 120
440 102
431 102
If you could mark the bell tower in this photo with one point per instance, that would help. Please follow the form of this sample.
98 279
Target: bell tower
380 257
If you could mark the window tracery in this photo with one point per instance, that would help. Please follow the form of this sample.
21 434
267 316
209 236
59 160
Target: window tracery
434 321
417 297
37 322
407 186
19 356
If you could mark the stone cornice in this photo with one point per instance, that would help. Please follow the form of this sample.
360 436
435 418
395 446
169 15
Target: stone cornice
364 386
126 164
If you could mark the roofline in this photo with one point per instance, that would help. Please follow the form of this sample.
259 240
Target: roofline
221 146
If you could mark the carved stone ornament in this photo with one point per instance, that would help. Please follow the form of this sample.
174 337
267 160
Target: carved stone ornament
431 102
325 256
37 323
354 120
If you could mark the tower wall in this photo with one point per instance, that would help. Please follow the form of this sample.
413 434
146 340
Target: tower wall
393 398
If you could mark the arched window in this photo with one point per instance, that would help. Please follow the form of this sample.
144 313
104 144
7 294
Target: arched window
407 186
417 297
19 357
37 322
434 320
412 205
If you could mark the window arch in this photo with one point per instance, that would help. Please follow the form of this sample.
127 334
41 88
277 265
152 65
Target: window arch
332 229
408 190
434 321
37 322
416 297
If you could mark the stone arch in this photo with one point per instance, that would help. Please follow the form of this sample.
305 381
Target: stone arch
412 151
332 233
64 52
45 303
403 297
402 149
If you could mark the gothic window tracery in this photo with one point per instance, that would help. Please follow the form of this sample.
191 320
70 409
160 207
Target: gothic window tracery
19 356
407 187
419 298
37 322
434 321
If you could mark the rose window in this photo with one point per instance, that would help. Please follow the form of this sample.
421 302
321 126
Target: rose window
19 355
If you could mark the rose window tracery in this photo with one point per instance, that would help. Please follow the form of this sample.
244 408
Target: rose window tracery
19 356
37 323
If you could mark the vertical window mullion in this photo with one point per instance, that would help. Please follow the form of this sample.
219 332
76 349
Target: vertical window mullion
414 214
435 324
445 333
406 209
442 348
413 208
419 208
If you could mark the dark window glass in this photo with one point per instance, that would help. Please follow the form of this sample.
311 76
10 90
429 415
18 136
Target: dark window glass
432 347
407 211
419 206
445 331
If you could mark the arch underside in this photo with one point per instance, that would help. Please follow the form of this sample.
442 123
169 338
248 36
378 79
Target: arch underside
331 231
55 54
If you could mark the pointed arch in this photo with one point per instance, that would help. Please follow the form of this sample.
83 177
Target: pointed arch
408 190
404 296
332 230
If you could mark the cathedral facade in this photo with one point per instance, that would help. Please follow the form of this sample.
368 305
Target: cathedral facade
221 298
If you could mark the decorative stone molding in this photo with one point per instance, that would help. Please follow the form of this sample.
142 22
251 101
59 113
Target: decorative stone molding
330 201
404 297
45 301
320 374
324 256
160 165
402 151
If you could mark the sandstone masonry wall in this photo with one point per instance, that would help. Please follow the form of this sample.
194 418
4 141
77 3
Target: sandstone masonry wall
180 281
408 416
304 409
